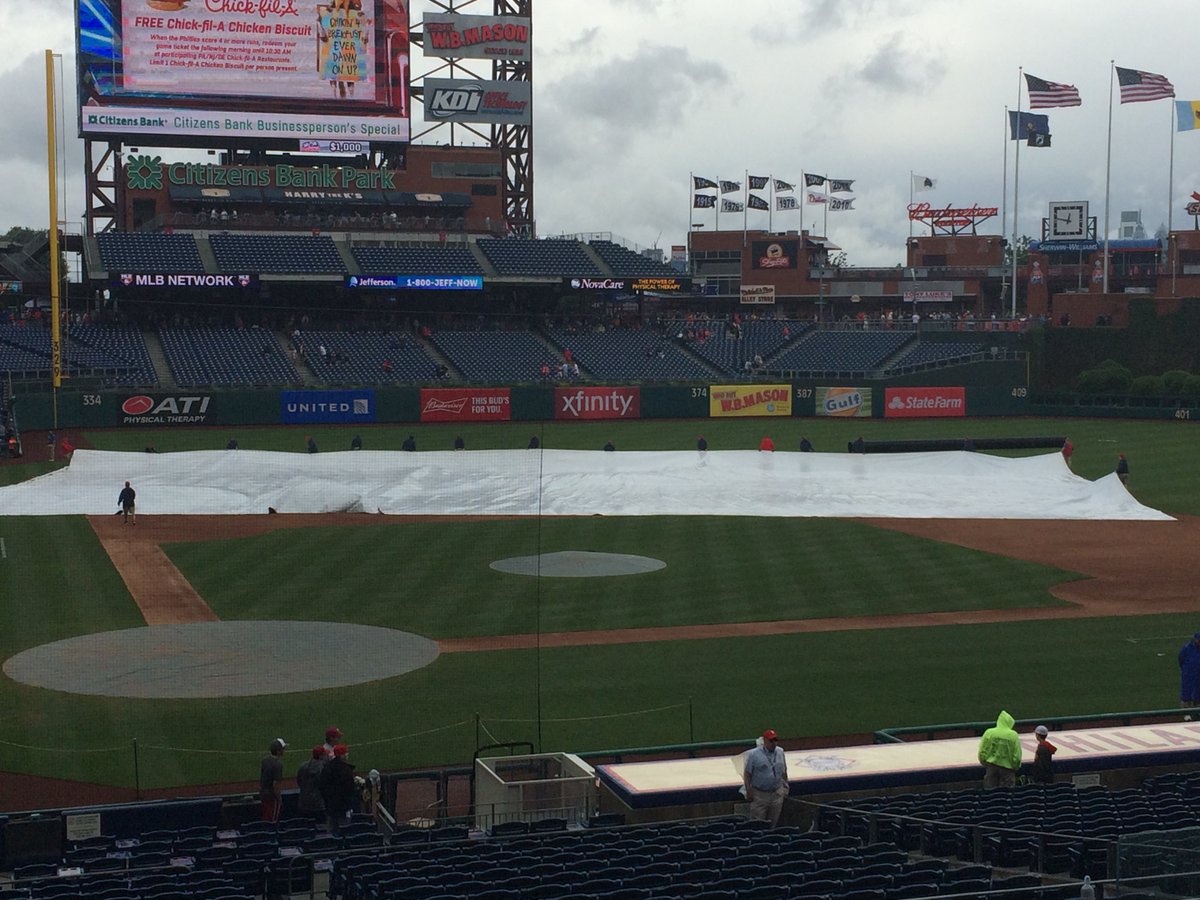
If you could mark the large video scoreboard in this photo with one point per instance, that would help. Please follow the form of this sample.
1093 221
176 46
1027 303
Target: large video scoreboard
254 72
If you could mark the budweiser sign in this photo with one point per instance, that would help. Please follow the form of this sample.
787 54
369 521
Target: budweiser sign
950 216
465 405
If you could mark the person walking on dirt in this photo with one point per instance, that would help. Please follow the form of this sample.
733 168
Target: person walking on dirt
1000 753
126 500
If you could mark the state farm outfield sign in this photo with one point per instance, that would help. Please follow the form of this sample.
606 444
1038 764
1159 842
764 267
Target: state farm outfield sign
466 404
598 403
477 37
924 402
167 409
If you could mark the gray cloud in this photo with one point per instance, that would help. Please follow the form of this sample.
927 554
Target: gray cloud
895 68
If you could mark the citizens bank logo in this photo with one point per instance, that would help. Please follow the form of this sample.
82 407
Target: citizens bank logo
144 173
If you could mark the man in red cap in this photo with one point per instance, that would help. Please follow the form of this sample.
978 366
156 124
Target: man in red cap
333 734
766 778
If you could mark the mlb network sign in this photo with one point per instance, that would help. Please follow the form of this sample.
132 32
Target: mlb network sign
492 102
314 407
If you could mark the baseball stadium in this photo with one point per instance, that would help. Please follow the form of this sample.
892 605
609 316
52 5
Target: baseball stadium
551 539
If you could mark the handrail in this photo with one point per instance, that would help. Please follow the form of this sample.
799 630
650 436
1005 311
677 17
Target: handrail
890 735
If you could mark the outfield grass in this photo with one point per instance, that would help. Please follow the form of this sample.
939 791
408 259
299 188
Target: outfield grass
57 582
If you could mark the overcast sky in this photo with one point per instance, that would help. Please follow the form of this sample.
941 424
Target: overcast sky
631 96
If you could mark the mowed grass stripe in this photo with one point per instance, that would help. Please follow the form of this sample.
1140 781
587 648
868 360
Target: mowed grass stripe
435 578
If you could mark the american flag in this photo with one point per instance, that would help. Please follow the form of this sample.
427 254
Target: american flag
1044 94
1137 87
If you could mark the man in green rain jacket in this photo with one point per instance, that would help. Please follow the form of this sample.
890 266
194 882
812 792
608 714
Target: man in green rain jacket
1000 753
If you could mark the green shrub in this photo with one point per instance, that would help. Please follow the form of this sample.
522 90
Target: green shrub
1108 377
1191 386
1147 386
1173 381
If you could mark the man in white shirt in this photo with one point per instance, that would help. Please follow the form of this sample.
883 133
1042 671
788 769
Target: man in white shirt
766 778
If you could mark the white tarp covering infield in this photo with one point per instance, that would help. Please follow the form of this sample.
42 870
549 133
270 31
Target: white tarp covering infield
578 482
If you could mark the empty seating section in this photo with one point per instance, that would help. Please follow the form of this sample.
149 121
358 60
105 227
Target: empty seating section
215 356
366 357
115 353
933 351
133 252
455 260
495 355
242 254
551 257
629 354
625 263
717 343
842 351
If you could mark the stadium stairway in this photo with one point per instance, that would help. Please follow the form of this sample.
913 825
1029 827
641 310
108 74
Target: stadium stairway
308 377
166 379
206 253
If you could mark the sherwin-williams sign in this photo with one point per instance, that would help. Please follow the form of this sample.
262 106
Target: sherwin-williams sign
466 404
924 402
597 403
312 407
749 400
843 401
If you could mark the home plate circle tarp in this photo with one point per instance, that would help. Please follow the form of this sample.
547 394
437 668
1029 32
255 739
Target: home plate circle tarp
956 485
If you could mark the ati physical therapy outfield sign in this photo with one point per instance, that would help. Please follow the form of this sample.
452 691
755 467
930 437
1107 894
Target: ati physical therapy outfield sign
146 173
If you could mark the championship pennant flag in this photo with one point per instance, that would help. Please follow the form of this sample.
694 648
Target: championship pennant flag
837 204
786 203
814 180
700 184
732 205
840 186
923 183
1138 87
728 187
817 198
1044 94
703 201
1188 112
783 186
756 202
757 182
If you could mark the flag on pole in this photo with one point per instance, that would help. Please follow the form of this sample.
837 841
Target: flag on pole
1038 139
730 186
1022 125
838 186
1138 87
786 203
757 182
923 183
817 198
703 201
814 180
1043 94
756 202
732 205
700 184
1188 112
837 204
783 186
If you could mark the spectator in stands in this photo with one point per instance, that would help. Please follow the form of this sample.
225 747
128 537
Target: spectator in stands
805 445
545 371
333 736
51 443
356 442
701 443
609 447
338 789
1068 449
323 351
534 442
440 371
575 370
459 443
410 444
1189 674
1043 757
270 781
765 776
766 445
1123 469
127 501
387 367
308 779
310 444
232 445
1000 753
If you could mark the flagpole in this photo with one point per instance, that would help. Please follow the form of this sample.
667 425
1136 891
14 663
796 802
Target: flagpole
1004 180
1171 167
745 204
1108 169
1016 201
717 205
803 197
771 202
691 195
911 178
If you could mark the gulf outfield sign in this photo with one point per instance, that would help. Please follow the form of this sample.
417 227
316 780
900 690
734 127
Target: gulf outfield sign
843 402
749 400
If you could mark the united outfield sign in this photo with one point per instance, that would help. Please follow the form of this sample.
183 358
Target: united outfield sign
492 102
314 407
466 404
749 400
924 402
597 403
